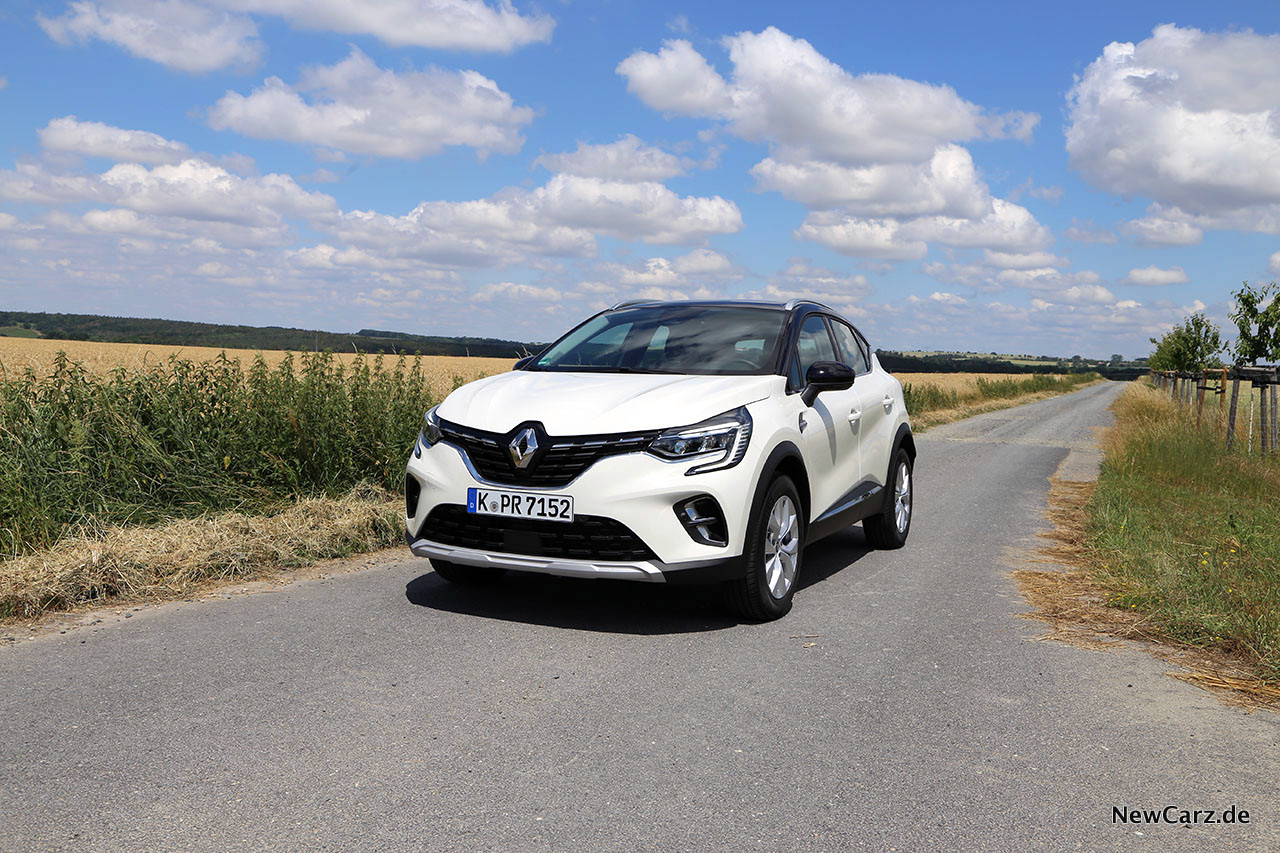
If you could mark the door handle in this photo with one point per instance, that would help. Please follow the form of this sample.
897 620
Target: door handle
855 415
888 403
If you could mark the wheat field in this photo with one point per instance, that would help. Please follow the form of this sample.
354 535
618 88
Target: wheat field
961 383
19 354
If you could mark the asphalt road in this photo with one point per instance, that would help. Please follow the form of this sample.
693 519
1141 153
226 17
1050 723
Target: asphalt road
901 705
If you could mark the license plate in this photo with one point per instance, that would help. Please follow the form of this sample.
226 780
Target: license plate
520 505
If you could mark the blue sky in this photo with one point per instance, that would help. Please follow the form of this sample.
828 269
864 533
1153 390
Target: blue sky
987 176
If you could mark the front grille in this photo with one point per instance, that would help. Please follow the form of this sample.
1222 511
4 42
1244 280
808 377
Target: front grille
558 461
587 537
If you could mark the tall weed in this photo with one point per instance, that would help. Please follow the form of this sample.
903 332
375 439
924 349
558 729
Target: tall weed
182 438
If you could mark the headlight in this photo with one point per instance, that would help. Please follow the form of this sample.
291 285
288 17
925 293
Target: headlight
722 440
430 432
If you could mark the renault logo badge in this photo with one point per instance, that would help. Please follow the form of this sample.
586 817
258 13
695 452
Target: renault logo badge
523 446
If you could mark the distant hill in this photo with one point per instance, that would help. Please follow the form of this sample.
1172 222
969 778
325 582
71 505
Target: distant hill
135 330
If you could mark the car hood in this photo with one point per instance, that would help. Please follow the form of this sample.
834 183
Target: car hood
593 403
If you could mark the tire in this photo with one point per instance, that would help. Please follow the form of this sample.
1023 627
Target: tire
889 529
771 560
466 575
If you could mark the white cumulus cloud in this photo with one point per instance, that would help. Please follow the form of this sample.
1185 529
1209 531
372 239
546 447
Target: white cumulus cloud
1022 260
871 238
628 159
450 24
945 184
702 262
1157 230
184 35
1154 276
358 107
873 156
1189 119
783 90
801 279
94 139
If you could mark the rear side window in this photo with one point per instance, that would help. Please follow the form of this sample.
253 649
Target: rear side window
851 351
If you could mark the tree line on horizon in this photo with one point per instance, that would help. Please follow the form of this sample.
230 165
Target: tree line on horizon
136 330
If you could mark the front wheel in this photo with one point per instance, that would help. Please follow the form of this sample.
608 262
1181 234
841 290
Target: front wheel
771 561
889 529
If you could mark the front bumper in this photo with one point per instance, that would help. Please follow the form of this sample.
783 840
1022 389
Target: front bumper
636 490
652 571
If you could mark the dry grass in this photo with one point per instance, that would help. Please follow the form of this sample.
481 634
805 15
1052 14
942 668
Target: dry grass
18 354
1079 605
937 417
131 563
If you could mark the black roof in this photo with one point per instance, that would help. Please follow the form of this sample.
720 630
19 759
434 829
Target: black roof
724 303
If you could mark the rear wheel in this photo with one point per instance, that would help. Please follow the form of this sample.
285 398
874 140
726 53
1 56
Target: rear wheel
466 575
771 561
889 529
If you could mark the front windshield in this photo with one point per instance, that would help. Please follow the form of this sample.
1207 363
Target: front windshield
699 339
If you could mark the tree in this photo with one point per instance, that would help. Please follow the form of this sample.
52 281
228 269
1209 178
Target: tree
1257 319
1116 358
1192 345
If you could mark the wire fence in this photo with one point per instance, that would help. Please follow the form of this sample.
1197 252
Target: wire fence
1246 409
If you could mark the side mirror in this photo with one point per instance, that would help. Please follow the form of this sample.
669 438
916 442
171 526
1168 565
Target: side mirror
826 376
522 363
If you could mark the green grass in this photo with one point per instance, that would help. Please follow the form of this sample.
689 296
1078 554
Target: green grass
17 332
928 397
1189 534
181 439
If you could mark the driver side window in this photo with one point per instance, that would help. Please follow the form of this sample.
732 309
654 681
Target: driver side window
812 344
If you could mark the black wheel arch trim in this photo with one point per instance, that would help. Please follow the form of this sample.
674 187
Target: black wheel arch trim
903 440
783 452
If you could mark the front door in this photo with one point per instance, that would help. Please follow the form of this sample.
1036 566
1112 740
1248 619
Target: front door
832 427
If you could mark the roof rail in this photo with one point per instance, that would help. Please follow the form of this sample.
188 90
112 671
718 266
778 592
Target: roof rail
627 303
792 303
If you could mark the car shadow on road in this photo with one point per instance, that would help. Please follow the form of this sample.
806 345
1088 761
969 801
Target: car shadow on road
836 553
613 606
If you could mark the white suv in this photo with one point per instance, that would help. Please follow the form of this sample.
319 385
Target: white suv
668 442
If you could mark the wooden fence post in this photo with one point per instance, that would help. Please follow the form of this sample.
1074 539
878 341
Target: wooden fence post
1222 398
1231 414
1201 386
1275 414
1264 423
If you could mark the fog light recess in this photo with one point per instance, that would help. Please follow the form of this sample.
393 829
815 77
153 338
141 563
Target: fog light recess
703 520
412 490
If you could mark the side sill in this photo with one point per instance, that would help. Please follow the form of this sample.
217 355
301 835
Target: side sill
861 502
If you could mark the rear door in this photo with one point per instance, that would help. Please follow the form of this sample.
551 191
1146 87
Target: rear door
875 401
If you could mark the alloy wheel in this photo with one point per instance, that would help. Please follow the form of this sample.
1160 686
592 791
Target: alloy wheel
902 498
781 547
